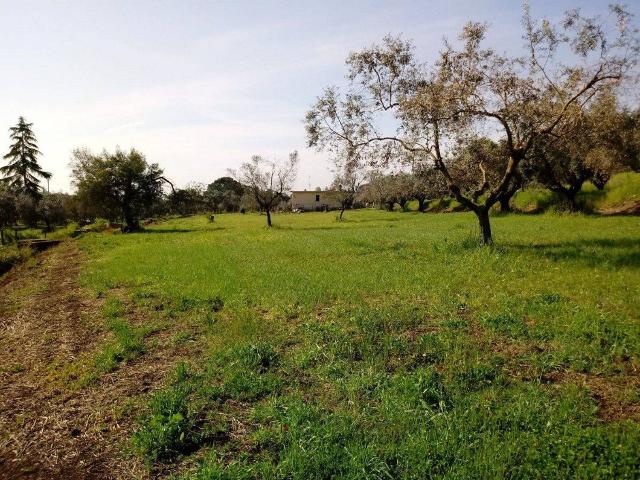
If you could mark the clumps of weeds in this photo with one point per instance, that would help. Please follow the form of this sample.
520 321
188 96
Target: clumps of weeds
13 368
177 421
478 375
184 416
212 304
431 390
507 324
430 349
206 310
548 298
247 372
11 256
595 342
127 343
183 337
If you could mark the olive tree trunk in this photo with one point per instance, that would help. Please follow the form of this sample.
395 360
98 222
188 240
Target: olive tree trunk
485 226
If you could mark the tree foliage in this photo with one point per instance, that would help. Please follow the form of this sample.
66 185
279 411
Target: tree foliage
119 185
188 201
224 194
268 181
8 210
592 151
23 172
345 187
471 89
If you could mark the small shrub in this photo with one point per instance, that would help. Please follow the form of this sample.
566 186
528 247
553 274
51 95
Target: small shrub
169 428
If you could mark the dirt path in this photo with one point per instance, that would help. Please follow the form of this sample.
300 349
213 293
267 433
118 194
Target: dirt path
49 326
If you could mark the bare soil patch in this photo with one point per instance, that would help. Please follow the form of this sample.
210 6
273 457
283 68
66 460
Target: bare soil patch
49 328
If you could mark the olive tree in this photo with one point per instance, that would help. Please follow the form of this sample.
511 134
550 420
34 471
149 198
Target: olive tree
380 190
425 184
120 185
593 151
268 181
470 89
51 210
345 187
481 154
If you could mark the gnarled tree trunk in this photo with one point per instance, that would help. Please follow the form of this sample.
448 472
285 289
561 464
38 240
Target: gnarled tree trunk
485 225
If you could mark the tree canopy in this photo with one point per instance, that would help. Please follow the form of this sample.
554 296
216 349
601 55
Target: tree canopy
268 181
470 89
119 185
23 172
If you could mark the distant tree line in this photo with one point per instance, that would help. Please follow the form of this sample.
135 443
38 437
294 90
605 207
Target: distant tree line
123 188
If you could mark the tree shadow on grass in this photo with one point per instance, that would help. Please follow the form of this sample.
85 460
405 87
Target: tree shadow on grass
595 252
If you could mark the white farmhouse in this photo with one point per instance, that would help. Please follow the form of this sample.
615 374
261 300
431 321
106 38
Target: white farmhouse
312 201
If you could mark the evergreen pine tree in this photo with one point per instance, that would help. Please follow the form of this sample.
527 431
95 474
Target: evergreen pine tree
23 170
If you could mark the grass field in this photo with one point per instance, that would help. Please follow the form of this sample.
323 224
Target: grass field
388 345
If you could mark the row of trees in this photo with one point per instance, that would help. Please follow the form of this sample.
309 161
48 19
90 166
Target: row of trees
535 107
124 187
604 139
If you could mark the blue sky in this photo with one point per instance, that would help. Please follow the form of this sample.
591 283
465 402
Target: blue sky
200 86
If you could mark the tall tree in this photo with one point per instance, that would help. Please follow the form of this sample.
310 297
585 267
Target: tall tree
268 181
381 190
188 201
51 210
426 184
225 193
23 172
120 185
469 89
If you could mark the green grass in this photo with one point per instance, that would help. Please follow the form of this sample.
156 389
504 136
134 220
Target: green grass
389 345
11 256
623 187
126 342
